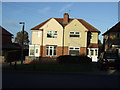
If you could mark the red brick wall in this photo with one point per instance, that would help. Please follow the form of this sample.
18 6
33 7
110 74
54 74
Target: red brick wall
43 51
59 51
66 51
83 51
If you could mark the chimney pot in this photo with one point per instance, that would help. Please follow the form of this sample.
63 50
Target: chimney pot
66 18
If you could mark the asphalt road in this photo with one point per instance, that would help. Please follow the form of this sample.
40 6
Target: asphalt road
60 80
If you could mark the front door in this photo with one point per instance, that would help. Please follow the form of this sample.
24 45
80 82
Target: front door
93 54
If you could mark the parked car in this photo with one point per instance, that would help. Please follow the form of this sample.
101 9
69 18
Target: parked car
109 59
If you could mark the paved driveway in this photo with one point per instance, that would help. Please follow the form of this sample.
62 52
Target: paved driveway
60 80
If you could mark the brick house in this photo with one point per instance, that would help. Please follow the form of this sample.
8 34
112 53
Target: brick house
64 36
6 36
7 40
112 38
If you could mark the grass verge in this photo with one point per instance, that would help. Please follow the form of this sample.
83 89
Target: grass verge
50 67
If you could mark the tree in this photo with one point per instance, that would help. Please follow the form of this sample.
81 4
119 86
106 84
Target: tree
18 38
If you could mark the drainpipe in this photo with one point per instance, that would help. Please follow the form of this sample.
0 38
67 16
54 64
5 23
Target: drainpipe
63 43
42 44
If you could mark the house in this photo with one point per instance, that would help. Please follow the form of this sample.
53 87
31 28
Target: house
64 36
111 37
6 37
7 41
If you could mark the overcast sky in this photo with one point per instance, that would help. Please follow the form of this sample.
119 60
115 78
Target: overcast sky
102 15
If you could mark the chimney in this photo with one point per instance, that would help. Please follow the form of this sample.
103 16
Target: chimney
66 18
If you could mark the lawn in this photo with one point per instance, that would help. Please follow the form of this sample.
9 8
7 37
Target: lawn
51 67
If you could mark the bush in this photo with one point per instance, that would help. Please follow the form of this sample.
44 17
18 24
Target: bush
74 59
14 55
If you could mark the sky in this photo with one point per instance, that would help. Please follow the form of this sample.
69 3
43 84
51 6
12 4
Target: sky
102 15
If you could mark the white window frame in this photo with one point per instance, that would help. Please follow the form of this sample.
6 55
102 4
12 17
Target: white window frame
91 36
36 50
73 48
51 47
39 33
53 34
74 33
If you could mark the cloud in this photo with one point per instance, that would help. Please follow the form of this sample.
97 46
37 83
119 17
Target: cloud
65 7
44 10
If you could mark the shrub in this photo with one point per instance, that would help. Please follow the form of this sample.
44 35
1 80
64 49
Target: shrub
74 59
14 55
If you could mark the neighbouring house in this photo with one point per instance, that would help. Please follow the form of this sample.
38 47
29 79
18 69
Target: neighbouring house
64 36
7 41
111 37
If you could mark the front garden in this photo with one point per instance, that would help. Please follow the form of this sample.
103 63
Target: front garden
64 64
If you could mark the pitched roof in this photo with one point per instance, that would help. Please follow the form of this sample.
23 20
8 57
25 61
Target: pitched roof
115 28
93 46
60 20
5 32
40 25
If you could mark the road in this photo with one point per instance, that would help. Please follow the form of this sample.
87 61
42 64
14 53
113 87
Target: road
60 80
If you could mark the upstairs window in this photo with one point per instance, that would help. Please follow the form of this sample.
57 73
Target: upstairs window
74 34
39 33
118 35
51 34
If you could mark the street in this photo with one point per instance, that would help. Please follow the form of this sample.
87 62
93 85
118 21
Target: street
60 80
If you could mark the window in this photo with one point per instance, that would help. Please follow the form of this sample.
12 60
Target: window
118 35
91 36
74 51
92 52
36 50
51 50
74 34
38 33
51 34
32 51
96 53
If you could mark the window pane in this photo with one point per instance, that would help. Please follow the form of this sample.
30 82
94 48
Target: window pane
50 52
77 48
54 52
76 32
92 52
71 32
36 50
95 52
47 53
76 36
71 48
74 52
49 36
31 51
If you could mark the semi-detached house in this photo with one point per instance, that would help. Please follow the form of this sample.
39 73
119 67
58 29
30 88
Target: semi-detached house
64 36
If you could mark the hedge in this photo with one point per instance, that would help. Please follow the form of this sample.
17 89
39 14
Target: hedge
74 59
15 55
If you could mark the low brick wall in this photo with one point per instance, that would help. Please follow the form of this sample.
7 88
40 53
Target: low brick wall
29 59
